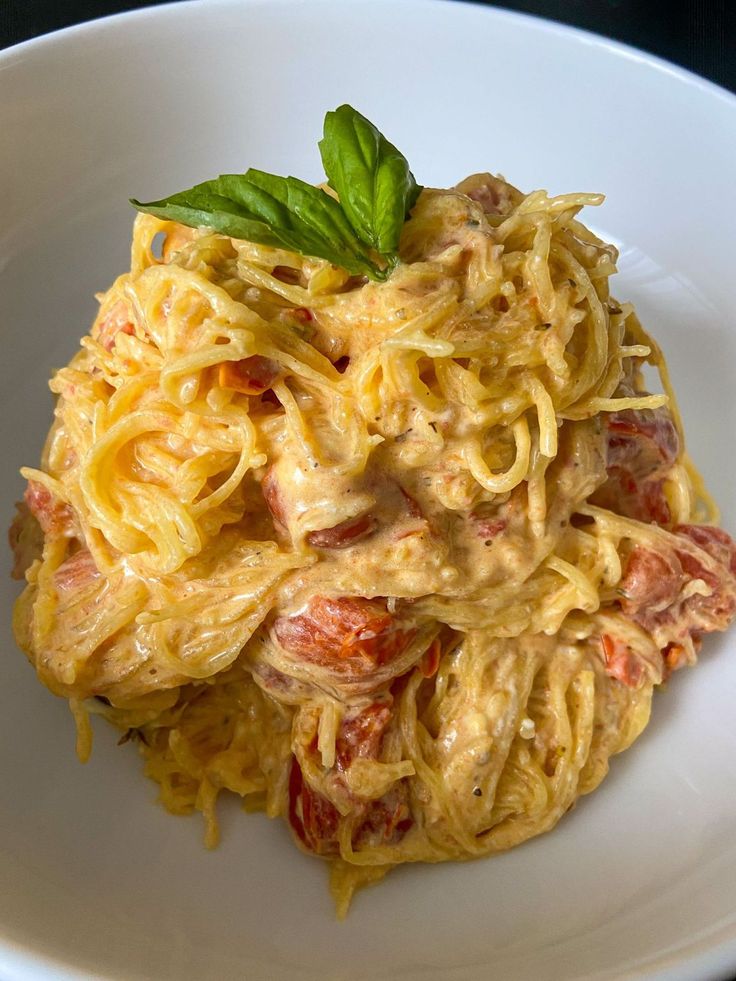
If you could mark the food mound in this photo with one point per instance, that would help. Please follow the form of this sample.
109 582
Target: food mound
400 557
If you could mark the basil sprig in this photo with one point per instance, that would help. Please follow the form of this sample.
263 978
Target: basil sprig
360 233
376 188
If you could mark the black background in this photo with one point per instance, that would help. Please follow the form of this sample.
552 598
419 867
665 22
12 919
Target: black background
699 34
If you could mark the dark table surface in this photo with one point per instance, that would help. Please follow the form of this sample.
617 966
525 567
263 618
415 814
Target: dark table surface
699 34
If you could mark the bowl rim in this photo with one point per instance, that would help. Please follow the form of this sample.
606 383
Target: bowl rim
479 7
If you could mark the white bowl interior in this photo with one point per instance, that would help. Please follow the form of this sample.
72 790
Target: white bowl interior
641 879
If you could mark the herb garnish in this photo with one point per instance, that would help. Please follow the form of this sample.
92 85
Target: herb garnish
376 188
360 233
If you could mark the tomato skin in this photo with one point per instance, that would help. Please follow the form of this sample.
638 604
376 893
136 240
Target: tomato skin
643 441
347 633
344 534
651 579
249 376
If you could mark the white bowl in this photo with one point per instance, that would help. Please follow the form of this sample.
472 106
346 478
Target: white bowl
640 881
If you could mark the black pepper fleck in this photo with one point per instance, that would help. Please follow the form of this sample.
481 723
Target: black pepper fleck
477 792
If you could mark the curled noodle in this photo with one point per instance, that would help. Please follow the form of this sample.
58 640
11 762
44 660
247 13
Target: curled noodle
339 547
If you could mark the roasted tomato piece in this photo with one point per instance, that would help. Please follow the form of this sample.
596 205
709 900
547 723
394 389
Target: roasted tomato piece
654 586
345 534
652 580
343 632
250 376
621 662
387 820
54 516
641 447
643 500
715 541
716 610
361 734
315 819
643 441
652 504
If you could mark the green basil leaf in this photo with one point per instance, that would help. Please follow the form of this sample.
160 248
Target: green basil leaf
372 178
203 206
277 211
311 220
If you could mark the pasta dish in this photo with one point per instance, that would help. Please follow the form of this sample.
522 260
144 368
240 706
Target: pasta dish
400 560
